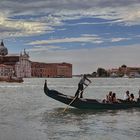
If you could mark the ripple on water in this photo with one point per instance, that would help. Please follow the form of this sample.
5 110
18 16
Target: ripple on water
26 113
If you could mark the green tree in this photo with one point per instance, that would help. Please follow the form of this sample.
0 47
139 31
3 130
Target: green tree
101 72
124 66
94 74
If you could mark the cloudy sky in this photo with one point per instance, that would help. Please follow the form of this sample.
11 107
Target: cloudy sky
87 33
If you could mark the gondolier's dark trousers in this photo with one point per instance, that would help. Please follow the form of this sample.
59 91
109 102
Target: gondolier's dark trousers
79 90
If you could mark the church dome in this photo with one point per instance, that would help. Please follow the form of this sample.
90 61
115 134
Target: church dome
3 49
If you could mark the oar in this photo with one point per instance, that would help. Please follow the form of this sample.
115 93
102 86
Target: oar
74 98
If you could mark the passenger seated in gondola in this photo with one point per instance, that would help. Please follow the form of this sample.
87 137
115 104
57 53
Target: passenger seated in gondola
131 97
114 99
127 96
138 100
109 97
139 93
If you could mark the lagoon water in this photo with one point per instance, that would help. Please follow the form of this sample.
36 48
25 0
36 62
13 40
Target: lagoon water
26 113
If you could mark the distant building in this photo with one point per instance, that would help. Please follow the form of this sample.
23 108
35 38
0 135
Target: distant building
21 66
6 70
125 71
113 72
133 71
51 69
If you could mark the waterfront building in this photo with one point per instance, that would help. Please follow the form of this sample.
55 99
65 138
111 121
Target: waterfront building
113 72
6 70
51 69
133 71
125 71
21 66
130 71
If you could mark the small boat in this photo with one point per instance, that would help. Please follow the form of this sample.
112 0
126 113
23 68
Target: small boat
17 80
83 103
11 79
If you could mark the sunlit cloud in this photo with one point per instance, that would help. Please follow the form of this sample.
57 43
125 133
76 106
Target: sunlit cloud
119 39
85 38
22 27
91 39
43 16
45 48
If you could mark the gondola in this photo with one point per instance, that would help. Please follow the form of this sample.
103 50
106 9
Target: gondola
83 103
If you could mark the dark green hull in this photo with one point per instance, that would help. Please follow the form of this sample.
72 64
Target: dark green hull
83 103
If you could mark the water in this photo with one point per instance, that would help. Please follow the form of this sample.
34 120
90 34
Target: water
26 113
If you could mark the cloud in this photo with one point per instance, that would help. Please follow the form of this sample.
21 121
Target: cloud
88 60
32 17
45 48
91 39
84 38
65 4
119 39
22 27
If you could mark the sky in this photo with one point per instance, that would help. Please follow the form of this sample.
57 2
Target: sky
86 33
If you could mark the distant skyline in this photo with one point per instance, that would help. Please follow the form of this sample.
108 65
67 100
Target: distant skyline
87 33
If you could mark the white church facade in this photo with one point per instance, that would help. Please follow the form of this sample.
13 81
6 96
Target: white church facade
23 66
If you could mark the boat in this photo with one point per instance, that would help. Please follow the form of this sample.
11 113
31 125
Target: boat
125 76
17 80
83 103
11 79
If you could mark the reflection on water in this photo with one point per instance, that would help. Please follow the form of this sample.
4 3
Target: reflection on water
89 124
26 113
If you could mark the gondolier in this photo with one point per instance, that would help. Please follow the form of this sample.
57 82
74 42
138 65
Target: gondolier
81 84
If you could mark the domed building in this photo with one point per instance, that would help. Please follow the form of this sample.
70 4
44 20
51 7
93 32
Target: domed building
3 49
14 65
21 66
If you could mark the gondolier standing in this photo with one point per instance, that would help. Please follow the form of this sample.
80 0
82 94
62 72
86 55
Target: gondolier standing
81 84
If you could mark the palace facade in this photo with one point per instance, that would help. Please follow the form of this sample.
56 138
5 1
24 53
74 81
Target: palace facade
51 69
21 66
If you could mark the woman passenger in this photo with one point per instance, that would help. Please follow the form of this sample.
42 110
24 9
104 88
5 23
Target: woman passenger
131 97
127 96
114 99
109 97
